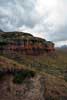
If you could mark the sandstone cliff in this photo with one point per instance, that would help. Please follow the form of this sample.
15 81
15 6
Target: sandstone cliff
24 43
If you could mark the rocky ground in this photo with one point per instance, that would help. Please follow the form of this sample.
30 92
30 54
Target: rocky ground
37 88
31 89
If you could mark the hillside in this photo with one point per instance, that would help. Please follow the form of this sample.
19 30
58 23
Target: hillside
31 76
46 85
62 48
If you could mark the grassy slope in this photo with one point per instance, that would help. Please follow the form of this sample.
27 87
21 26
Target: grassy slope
53 84
55 65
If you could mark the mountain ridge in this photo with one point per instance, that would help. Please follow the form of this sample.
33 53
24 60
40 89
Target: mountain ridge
26 42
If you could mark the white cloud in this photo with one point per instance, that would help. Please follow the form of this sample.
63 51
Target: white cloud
54 9
60 43
33 31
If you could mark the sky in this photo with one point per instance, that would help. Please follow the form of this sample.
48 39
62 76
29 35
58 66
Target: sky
42 18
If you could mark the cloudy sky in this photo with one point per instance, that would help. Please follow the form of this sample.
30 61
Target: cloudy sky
43 18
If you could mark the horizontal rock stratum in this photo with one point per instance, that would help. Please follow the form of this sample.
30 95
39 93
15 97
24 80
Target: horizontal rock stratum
24 43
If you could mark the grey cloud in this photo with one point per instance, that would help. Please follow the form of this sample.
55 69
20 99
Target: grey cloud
59 35
18 13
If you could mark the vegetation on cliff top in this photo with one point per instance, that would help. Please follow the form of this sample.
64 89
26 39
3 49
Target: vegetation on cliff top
19 36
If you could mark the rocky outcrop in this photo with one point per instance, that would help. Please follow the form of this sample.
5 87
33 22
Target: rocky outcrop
25 43
36 88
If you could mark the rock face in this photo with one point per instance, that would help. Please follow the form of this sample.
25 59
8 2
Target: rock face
36 88
30 90
24 43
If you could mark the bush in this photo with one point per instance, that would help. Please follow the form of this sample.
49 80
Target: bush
1 75
19 76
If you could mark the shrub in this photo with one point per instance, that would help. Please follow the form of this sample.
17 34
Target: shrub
1 75
19 76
